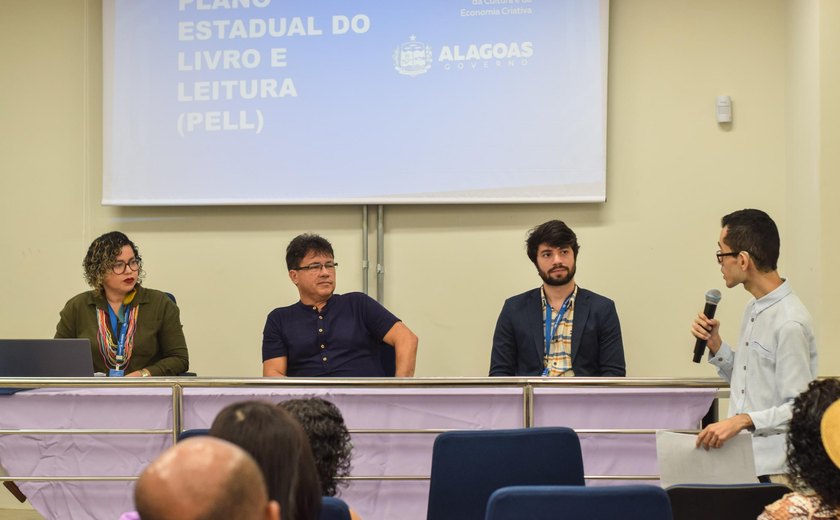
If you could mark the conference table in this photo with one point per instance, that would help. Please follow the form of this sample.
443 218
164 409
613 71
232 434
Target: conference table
75 446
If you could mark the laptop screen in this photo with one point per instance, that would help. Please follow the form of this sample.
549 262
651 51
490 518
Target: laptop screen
45 358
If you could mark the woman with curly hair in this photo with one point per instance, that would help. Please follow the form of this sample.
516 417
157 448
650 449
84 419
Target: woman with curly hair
277 442
813 471
330 441
133 331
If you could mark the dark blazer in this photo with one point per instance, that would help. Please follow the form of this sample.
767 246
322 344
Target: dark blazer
519 339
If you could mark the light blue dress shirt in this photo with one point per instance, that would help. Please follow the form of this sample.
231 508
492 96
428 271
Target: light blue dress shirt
775 360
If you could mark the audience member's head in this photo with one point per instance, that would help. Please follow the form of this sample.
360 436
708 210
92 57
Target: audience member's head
328 437
204 479
279 445
808 458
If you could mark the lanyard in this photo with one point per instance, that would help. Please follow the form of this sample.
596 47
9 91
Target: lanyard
551 326
120 357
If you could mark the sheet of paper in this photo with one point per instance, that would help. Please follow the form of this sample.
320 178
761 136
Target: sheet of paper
680 462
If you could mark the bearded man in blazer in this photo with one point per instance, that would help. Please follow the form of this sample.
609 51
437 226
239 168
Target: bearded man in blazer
558 329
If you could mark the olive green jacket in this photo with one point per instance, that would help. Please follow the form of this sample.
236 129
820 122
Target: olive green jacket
159 343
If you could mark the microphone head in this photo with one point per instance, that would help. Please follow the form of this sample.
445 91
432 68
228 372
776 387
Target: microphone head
713 296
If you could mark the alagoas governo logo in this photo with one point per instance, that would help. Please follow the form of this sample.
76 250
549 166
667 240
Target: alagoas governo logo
412 58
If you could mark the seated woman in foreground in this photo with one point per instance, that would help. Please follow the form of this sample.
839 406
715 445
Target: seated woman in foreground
330 441
279 445
133 331
813 450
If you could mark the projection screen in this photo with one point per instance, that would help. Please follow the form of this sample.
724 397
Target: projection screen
217 102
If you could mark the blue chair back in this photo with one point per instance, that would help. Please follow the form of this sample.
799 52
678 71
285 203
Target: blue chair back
468 466
732 501
196 432
333 508
577 502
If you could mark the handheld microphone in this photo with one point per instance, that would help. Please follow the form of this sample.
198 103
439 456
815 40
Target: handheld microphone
713 297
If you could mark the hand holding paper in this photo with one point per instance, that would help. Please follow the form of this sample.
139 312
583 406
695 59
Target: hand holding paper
682 462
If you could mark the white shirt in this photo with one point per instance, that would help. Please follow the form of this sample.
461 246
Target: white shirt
775 360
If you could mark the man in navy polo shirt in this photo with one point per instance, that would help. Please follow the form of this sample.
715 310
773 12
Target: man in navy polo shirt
327 334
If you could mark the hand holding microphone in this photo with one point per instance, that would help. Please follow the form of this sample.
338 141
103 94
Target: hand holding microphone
700 327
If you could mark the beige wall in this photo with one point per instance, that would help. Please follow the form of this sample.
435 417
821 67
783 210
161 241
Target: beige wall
829 166
672 172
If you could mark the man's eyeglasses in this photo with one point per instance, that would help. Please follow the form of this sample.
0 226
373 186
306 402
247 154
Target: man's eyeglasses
720 255
329 266
119 266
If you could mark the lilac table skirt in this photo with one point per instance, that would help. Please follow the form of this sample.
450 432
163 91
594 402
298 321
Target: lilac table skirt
375 454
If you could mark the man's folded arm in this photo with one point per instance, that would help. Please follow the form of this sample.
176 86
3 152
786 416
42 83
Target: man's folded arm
275 367
405 348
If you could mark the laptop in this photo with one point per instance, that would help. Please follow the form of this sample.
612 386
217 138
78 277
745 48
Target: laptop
45 358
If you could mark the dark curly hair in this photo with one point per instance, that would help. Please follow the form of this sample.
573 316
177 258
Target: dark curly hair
302 245
328 437
102 254
810 466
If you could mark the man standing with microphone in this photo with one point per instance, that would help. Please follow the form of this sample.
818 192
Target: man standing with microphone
776 355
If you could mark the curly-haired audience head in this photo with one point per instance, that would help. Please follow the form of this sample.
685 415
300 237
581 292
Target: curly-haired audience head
328 437
101 256
810 465
279 445
753 231
555 233
302 245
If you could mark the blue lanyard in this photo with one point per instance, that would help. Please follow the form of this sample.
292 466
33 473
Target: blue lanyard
551 326
121 342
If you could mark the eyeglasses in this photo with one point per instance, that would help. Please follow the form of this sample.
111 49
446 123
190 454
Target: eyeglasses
119 266
720 255
329 266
